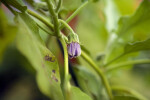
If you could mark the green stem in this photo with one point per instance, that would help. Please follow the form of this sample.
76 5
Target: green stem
48 24
66 84
100 73
66 68
120 65
54 17
110 62
65 24
75 13
59 6
129 91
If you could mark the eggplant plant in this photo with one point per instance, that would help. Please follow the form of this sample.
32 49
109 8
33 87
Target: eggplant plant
78 47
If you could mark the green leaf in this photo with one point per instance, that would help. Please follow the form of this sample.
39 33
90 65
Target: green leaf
84 0
88 82
77 94
44 62
126 7
140 17
124 98
130 28
132 49
71 5
90 0
116 8
15 4
31 25
137 46
7 33
3 24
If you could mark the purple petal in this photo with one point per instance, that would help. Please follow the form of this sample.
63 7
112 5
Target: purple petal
79 50
74 49
76 52
69 49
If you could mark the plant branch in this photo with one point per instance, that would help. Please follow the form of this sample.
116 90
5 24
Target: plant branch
100 73
54 17
129 91
66 83
48 24
59 6
75 13
65 24
123 64
34 15
66 68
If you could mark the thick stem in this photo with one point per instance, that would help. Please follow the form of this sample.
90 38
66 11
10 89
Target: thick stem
54 17
66 68
100 73
129 91
123 64
66 83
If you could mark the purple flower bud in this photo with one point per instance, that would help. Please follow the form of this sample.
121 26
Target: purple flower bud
74 50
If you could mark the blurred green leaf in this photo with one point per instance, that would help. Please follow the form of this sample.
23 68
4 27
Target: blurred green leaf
130 28
126 7
124 98
90 0
88 82
7 33
140 17
77 94
3 24
33 48
126 91
135 47
71 4
138 46
31 25
84 0
96 0
114 9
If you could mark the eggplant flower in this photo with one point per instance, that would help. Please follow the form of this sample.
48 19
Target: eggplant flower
74 50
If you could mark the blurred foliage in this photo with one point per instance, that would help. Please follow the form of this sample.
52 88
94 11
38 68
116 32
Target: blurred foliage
107 29
88 82
47 77
6 36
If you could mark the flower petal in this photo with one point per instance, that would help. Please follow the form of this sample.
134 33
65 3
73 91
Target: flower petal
74 49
